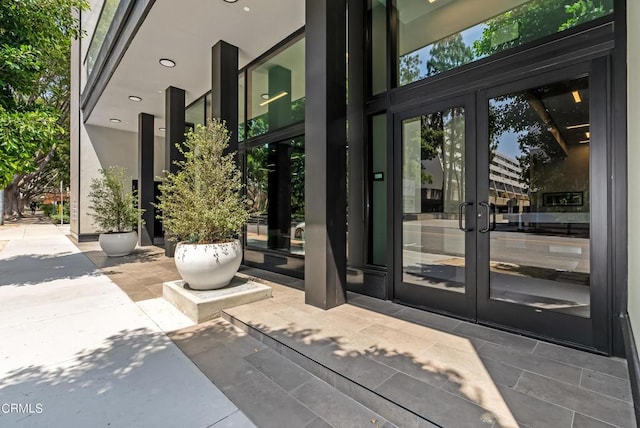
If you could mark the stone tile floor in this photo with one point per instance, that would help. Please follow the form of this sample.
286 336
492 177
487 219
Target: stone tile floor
448 371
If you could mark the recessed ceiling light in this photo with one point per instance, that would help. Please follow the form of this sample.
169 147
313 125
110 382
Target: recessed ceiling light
246 9
161 129
135 98
576 96
160 92
167 62
264 96
230 1
114 120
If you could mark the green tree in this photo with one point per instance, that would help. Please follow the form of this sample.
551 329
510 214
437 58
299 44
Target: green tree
449 53
537 19
35 48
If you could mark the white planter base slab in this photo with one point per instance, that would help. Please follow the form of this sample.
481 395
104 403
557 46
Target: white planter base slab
201 306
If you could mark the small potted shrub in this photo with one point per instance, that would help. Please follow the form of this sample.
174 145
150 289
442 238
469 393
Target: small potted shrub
203 209
114 211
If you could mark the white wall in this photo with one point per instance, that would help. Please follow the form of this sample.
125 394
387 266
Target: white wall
100 148
633 160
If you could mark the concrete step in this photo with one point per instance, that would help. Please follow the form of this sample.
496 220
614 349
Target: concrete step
271 389
339 376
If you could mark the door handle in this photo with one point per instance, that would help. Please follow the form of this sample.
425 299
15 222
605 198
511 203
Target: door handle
460 209
488 207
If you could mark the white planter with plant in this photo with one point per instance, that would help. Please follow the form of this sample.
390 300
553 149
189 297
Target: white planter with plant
203 209
114 212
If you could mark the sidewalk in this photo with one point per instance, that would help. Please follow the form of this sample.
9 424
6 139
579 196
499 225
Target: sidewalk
76 351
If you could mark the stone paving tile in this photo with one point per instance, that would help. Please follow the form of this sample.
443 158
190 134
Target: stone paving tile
317 423
261 399
428 319
526 361
203 337
500 374
582 421
608 385
535 413
392 339
361 369
235 420
437 405
279 369
267 405
602 407
497 337
377 305
610 366
334 407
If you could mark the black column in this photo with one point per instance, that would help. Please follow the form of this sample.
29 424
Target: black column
358 82
145 177
325 153
224 88
174 133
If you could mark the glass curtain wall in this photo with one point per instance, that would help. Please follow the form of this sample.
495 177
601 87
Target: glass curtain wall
275 92
274 99
102 28
275 194
436 36
195 113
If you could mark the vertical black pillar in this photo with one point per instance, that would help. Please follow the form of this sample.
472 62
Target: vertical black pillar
325 153
279 115
145 177
224 88
174 134
358 82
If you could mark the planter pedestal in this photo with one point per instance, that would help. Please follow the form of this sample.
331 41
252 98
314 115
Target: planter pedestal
205 305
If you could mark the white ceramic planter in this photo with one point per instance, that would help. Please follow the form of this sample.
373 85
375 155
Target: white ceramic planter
208 266
119 243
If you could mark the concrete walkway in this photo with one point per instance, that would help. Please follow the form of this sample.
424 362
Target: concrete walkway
76 351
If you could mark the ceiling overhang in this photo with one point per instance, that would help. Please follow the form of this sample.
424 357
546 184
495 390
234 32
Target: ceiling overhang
184 32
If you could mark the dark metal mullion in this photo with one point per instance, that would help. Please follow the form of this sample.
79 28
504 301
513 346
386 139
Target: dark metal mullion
392 45
289 132
475 123
619 191
394 190
599 156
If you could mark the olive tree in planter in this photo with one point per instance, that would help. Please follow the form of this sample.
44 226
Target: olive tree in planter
114 211
203 209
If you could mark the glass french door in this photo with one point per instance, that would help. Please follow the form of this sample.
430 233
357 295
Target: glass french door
435 197
501 208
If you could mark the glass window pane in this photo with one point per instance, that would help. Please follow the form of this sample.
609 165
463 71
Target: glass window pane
276 91
194 114
275 194
437 36
378 46
241 118
102 28
539 189
433 186
208 107
378 173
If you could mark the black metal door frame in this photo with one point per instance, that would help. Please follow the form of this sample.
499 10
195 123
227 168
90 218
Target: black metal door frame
450 303
592 333
551 325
